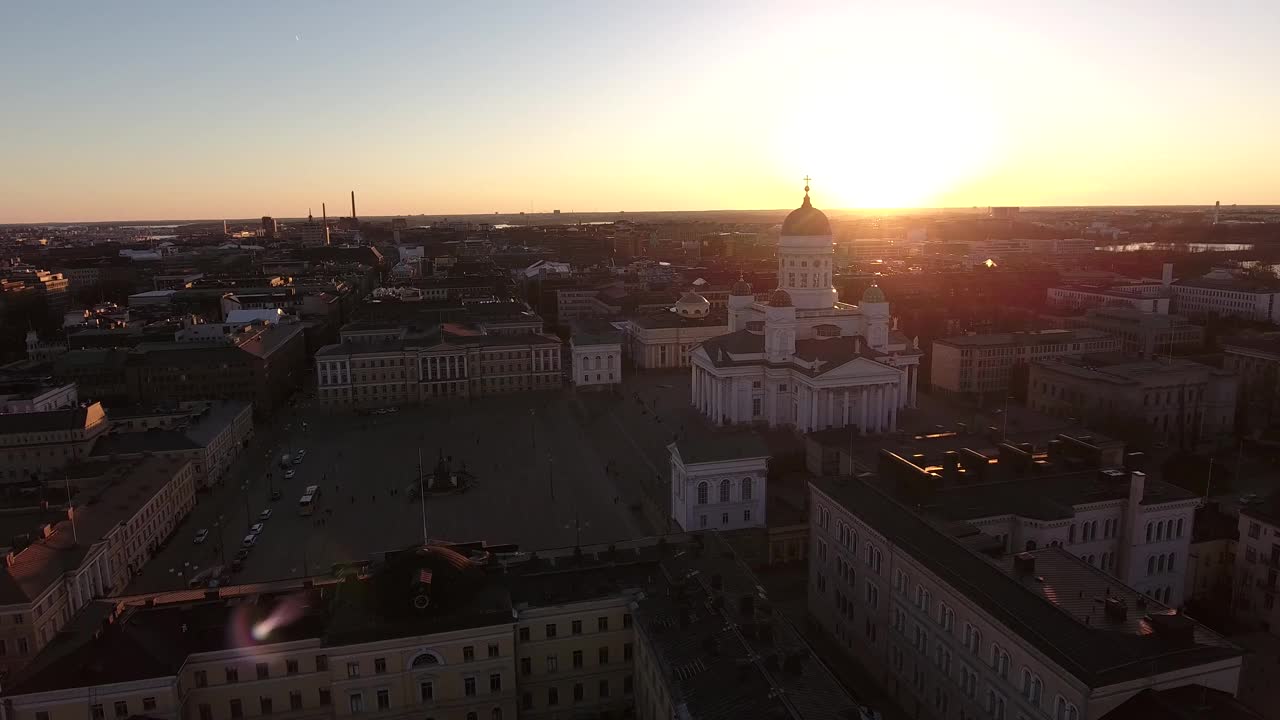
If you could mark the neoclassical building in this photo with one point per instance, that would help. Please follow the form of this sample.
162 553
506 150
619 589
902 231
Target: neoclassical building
805 359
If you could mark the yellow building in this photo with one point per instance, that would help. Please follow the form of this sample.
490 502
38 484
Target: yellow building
443 632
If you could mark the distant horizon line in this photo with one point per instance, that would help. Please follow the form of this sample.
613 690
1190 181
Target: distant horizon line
562 214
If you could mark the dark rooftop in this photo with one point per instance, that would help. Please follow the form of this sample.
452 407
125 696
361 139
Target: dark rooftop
724 652
698 441
1185 702
1099 652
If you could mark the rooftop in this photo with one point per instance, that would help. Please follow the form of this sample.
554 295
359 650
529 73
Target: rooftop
1033 337
698 441
77 418
1058 609
723 651
1268 342
1119 369
125 489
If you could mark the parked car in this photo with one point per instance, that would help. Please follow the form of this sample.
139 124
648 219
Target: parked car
276 494
288 474
1250 499
265 514
256 528
242 554
201 535
249 541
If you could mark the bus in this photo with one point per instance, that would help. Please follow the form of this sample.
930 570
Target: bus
307 505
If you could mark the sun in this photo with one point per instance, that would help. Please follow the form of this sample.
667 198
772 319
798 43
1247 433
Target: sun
886 145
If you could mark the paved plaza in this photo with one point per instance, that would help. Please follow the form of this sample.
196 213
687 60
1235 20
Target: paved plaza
541 480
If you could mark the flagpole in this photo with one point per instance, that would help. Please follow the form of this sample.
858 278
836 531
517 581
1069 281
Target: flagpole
422 498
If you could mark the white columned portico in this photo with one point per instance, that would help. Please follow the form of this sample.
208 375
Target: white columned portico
863 399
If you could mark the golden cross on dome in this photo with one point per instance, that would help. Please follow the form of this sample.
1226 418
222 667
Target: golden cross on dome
806 183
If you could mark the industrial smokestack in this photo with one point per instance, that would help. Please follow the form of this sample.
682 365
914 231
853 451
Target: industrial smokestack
353 204
324 215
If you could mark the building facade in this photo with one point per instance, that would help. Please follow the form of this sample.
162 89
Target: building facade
37 444
718 482
596 355
951 634
1181 400
410 371
971 365
1223 295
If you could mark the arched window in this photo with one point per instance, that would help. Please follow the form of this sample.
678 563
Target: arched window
1151 564
746 488
1071 533
1148 540
495 714
1000 661
1031 545
1160 530
1179 527
702 492
1092 558
424 660
1037 689
724 491
1160 564
1170 564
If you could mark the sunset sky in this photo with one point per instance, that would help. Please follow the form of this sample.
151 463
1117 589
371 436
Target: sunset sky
128 110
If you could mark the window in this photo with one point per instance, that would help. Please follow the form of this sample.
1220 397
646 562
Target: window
263 671
550 630
577 658
291 667
947 618
325 697
495 682
426 691
148 703
724 491
264 703
626 620
553 696
1000 661
233 675
495 714
576 627
604 688
724 518
746 516
202 679
237 710
602 624
353 669
972 638
628 651
873 595
604 655
356 702
553 663
524 634
702 493
526 700
206 712
469 686
577 692
526 666
122 709
322 663
468 653
97 713
493 650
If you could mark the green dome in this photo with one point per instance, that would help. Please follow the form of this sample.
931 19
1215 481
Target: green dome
873 294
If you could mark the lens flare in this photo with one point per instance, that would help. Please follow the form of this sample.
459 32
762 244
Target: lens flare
252 624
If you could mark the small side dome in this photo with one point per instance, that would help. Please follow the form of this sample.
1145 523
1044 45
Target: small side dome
873 294
780 298
741 288
692 304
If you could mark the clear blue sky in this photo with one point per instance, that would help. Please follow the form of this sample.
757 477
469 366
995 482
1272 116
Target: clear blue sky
182 110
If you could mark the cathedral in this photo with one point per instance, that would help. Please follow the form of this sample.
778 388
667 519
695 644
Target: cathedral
804 359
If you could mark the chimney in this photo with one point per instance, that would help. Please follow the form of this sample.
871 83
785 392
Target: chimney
1024 564
1137 488
353 204
1116 609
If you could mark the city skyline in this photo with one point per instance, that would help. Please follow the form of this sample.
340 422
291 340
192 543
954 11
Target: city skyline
145 111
